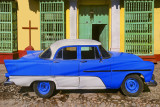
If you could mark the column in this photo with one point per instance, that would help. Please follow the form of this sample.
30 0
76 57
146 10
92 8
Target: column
73 19
115 25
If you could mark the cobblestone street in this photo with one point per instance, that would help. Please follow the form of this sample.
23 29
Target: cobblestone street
25 97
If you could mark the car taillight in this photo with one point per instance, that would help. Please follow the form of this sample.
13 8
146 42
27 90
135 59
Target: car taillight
6 75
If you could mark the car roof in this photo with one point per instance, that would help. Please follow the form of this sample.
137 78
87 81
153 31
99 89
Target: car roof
71 42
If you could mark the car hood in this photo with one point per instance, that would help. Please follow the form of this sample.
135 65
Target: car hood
123 57
126 61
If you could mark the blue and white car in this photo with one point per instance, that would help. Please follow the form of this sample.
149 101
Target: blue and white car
80 64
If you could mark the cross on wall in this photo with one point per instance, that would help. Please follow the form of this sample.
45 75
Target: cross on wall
30 28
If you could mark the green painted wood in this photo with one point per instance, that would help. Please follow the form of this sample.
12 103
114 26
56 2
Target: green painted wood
85 32
51 22
90 16
8 27
104 36
139 26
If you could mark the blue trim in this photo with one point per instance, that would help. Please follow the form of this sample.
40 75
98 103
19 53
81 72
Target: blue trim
43 87
97 71
79 52
131 85
99 51
132 70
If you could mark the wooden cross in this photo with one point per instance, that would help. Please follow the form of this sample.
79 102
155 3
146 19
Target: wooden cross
29 31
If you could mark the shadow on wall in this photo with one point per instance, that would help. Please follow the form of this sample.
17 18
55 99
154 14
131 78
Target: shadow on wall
157 3
121 4
34 5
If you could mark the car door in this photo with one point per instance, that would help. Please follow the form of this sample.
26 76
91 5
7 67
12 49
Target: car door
95 73
65 67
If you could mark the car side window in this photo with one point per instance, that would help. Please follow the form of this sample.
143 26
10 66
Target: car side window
67 53
104 53
89 53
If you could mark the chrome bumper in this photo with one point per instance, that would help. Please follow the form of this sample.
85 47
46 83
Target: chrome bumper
7 82
152 83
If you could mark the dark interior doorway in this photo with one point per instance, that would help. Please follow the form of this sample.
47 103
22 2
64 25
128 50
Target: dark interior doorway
97 31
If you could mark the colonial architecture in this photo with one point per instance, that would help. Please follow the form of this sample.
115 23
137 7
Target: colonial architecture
131 26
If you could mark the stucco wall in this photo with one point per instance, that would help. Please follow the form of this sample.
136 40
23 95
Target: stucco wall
29 10
157 27
121 25
67 21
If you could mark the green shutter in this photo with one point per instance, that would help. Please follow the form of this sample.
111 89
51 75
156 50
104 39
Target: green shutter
139 27
8 27
52 22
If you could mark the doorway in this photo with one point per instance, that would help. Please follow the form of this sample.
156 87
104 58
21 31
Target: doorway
99 33
93 23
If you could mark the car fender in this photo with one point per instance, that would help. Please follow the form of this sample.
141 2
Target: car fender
116 81
121 70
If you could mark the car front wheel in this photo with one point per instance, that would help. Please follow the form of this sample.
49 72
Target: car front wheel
132 85
44 89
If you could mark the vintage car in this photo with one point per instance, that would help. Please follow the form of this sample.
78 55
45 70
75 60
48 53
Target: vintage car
80 64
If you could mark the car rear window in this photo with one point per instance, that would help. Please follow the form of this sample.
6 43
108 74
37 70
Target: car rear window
46 54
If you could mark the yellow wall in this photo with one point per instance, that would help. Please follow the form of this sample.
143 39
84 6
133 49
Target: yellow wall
121 26
157 27
95 2
28 10
67 21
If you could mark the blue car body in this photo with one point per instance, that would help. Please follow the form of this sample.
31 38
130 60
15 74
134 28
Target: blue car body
111 71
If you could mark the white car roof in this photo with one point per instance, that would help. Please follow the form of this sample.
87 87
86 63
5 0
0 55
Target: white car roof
70 42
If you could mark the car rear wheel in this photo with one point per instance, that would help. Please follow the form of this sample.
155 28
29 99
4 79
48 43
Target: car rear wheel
132 85
44 89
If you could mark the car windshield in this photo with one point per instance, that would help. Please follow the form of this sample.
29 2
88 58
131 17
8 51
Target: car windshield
46 54
104 53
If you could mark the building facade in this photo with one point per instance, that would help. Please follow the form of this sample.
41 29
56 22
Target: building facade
131 26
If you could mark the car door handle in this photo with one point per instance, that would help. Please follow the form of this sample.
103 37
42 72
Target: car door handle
83 61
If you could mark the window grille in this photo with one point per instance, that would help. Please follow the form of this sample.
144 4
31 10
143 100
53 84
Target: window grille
8 27
52 22
139 26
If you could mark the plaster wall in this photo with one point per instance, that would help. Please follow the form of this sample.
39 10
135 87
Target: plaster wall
30 10
121 26
157 27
